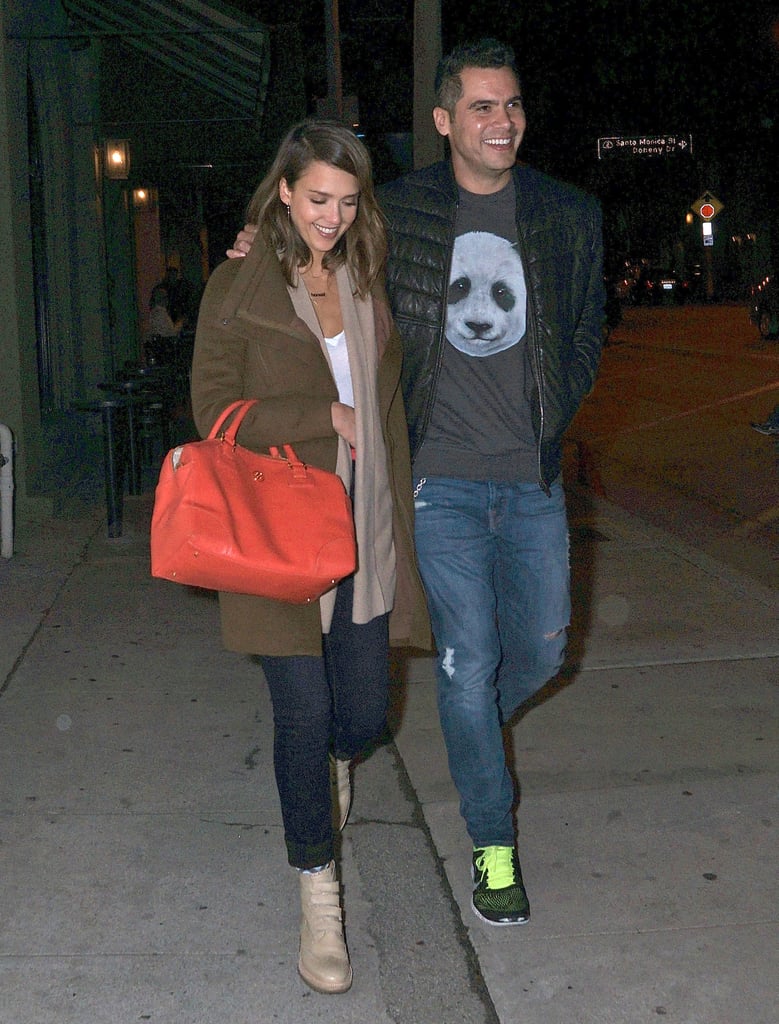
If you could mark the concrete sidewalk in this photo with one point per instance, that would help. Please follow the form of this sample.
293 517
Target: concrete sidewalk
141 855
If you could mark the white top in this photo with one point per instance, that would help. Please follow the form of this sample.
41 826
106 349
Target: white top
161 324
339 360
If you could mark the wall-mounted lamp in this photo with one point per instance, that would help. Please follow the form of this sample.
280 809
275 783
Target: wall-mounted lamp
145 198
117 159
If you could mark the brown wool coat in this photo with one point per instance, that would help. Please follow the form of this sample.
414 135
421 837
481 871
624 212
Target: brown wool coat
251 344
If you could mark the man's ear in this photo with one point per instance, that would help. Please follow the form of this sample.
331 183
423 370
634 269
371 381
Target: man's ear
441 120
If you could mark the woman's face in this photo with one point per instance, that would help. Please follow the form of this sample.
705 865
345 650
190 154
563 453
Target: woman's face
322 204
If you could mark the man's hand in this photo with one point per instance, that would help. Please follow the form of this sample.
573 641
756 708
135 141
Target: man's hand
243 242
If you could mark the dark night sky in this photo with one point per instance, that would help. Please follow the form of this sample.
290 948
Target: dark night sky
600 66
603 67
592 68
589 68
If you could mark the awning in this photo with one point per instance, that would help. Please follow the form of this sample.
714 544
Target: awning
220 49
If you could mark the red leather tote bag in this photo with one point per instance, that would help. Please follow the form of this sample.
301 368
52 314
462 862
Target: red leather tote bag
226 518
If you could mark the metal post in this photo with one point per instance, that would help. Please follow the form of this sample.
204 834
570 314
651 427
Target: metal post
335 86
6 491
428 144
113 476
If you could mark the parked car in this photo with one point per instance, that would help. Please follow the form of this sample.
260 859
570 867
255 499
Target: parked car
659 285
764 307
621 279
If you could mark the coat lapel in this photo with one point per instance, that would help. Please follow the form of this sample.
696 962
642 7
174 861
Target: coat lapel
259 297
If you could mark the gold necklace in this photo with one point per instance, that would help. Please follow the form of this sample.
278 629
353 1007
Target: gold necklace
318 295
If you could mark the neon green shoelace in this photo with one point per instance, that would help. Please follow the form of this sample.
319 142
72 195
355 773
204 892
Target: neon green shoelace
498 863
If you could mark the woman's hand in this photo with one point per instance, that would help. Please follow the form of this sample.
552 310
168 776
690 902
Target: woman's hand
344 422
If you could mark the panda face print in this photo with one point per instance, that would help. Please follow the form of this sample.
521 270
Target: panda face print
487 295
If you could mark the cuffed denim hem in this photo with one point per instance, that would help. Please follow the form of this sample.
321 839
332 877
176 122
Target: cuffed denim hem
304 857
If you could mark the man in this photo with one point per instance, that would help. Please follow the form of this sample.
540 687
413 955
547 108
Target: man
495 280
179 297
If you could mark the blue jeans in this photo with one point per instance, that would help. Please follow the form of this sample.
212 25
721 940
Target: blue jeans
494 561
334 703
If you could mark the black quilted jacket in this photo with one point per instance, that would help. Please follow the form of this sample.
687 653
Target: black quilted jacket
559 232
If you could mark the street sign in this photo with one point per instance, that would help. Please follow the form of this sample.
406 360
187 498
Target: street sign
643 145
707 206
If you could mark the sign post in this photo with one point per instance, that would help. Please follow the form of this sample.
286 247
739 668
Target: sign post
707 207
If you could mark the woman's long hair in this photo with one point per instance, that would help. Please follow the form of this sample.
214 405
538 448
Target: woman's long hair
363 246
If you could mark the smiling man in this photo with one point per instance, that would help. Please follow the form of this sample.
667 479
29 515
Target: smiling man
495 279
484 121
495 282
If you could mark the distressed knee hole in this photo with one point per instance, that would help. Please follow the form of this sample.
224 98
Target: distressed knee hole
554 636
447 662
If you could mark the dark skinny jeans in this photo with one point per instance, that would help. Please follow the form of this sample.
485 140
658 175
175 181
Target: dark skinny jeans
335 703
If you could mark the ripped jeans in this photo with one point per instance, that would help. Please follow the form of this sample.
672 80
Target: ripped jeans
494 561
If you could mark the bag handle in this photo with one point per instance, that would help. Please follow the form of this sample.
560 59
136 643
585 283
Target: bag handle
243 405
298 467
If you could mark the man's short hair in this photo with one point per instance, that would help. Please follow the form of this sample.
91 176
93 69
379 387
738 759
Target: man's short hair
484 53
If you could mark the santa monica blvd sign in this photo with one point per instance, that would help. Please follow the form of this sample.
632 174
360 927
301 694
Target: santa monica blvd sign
643 145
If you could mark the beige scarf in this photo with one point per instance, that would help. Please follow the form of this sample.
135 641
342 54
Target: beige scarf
374 583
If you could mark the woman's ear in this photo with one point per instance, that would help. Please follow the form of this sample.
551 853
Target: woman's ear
284 193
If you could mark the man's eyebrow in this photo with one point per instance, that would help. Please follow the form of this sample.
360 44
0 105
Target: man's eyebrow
494 103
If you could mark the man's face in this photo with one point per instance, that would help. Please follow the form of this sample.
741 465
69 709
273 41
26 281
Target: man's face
486 129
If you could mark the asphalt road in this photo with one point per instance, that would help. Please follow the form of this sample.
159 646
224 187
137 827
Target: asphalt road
666 432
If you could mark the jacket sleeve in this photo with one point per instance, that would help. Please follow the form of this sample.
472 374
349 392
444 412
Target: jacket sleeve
218 359
235 359
588 332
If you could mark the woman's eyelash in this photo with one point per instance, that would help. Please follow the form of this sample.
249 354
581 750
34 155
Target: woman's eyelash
346 202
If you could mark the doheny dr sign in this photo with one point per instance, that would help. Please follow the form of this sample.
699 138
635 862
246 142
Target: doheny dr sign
643 145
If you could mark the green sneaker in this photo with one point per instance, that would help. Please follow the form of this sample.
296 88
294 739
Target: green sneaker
499 897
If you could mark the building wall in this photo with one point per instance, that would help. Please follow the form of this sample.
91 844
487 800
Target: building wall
19 405
62 84
71 238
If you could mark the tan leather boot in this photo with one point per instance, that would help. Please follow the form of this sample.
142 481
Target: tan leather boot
324 961
341 787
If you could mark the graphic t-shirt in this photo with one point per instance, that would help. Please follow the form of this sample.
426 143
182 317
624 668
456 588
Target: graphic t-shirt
480 428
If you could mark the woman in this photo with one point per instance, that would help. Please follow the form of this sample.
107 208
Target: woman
302 325
160 321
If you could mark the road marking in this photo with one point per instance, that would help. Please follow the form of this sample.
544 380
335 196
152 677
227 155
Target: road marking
773 386
764 518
